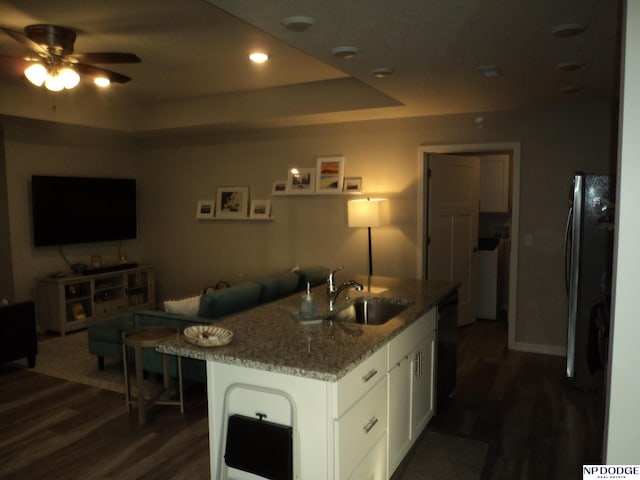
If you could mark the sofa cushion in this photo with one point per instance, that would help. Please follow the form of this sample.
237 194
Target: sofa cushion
278 286
184 306
229 300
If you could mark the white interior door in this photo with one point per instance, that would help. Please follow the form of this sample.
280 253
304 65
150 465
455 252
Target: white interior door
452 226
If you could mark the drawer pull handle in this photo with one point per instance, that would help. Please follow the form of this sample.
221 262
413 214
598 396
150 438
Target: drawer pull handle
372 423
369 375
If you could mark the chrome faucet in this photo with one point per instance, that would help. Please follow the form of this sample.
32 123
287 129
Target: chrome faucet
333 291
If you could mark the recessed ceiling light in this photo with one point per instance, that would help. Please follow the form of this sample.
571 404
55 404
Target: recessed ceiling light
489 71
345 52
570 65
574 88
258 57
298 23
568 30
382 72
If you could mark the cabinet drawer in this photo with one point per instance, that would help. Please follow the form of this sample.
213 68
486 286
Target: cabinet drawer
358 381
374 466
358 431
408 340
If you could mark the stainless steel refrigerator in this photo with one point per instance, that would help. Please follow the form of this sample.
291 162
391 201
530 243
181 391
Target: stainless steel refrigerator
588 259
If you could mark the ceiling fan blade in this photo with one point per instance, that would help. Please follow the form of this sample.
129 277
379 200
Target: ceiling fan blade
90 70
106 57
26 41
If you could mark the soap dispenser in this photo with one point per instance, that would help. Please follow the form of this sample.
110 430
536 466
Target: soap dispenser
308 305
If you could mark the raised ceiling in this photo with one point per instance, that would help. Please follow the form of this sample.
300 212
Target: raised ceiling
195 71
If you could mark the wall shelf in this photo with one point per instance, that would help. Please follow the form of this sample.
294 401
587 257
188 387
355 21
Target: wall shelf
316 194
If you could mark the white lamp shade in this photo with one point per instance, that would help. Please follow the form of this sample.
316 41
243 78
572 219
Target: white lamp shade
36 74
54 83
70 78
370 212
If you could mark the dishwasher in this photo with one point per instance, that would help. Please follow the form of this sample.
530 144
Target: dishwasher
446 359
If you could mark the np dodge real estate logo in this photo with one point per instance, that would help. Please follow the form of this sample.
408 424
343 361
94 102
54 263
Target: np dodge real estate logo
593 472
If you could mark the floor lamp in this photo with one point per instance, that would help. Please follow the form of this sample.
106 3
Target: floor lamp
369 212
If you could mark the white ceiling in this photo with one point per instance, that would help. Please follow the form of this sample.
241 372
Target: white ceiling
195 70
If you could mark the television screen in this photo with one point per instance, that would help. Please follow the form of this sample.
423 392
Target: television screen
69 210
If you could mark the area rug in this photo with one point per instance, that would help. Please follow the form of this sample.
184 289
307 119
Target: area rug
438 456
68 358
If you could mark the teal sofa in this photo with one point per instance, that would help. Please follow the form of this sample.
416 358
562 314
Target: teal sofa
105 338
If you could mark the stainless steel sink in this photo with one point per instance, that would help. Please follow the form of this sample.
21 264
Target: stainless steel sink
370 311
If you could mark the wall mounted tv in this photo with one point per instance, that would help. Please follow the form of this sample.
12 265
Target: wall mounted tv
68 210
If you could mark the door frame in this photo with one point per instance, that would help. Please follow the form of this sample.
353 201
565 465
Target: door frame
515 149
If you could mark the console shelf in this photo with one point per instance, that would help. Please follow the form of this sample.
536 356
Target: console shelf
75 301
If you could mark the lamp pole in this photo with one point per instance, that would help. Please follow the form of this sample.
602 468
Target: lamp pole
370 258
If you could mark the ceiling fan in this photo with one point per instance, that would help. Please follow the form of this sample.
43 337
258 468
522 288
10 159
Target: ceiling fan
56 66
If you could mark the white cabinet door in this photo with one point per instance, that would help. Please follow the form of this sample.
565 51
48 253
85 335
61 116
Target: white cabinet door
422 402
494 183
399 432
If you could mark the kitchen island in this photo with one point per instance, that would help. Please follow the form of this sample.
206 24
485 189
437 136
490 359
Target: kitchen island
355 396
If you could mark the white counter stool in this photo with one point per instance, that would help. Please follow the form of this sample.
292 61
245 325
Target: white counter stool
149 337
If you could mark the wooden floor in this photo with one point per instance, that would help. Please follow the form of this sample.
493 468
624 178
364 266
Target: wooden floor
536 426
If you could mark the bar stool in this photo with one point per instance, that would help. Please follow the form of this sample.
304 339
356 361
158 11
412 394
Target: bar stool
149 337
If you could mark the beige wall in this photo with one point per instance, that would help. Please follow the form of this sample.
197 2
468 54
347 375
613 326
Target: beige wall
50 149
174 171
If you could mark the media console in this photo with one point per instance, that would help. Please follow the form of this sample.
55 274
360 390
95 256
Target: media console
73 302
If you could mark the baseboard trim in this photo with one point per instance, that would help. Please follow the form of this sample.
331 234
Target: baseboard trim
540 348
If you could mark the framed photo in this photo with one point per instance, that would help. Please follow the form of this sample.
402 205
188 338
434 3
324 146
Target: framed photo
303 181
232 202
279 187
352 184
205 209
260 209
330 172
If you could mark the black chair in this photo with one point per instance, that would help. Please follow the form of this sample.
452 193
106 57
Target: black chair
18 333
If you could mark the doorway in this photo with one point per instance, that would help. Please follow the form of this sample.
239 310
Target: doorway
514 149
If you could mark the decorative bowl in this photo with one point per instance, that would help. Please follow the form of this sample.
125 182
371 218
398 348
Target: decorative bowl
208 335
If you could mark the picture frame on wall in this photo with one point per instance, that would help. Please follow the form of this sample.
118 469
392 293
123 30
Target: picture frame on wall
301 180
260 209
352 184
279 187
205 209
329 174
232 202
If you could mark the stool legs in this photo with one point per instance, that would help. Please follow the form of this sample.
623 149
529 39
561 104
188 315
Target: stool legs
139 399
142 405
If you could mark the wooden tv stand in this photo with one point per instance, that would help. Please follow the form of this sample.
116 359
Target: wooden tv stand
73 302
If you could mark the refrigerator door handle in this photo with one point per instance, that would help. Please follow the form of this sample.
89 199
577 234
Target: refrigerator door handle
567 249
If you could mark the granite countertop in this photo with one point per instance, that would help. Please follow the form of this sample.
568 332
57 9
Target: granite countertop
269 337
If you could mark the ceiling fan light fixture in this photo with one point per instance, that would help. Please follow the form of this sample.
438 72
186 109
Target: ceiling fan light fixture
102 82
36 74
69 77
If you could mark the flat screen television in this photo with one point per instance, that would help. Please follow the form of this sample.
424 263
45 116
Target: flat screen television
69 210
